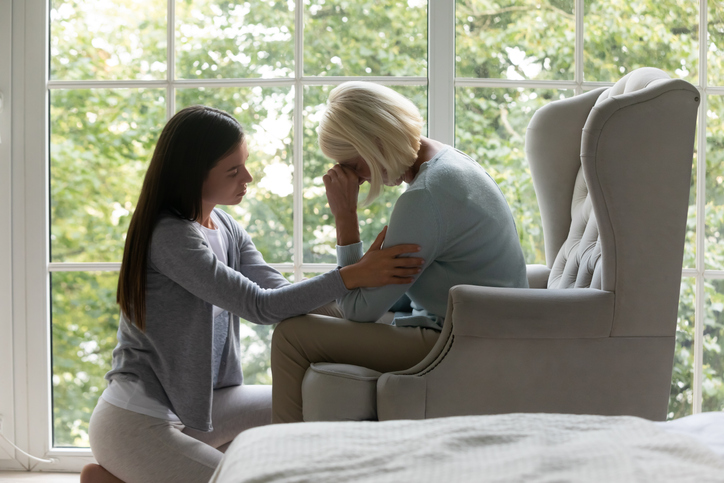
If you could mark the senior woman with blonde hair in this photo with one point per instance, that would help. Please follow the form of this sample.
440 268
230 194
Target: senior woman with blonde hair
452 208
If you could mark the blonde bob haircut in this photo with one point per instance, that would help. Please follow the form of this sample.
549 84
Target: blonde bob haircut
375 122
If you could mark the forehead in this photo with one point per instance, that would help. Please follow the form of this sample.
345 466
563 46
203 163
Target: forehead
352 162
236 156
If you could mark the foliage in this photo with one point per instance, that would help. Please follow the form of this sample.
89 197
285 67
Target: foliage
102 139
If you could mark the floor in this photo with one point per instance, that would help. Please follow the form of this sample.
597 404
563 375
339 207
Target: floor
38 477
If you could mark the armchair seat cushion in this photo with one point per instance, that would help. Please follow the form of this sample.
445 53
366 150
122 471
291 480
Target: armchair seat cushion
339 392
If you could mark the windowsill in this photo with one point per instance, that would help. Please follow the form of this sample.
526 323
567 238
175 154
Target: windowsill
38 477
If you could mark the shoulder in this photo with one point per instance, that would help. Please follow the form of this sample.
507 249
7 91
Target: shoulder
414 205
172 231
170 224
455 176
414 198
455 163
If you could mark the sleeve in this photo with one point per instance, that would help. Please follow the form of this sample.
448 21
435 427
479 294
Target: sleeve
349 254
179 252
415 219
255 268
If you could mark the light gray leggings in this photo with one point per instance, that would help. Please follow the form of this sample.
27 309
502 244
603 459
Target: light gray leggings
137 448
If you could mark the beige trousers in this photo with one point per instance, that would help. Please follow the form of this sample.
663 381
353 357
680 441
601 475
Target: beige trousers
137 448
300 341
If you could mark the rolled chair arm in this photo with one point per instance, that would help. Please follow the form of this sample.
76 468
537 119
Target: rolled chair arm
538 276
339 392
503 313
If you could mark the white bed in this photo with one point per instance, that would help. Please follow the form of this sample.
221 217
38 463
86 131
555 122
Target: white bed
509 447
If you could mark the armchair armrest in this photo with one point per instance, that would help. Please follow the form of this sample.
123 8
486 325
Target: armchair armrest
518 313
504 313
537 275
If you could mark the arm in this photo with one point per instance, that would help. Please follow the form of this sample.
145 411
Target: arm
251 261
178 251
414 219
255 268
342 187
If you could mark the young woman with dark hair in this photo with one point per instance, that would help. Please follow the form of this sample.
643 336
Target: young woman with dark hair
176 397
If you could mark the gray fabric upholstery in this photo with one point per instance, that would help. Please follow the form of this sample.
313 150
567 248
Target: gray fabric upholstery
595 333
538 276
353 390
553 149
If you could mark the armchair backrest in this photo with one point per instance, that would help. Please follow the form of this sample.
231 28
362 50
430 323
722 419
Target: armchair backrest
612 170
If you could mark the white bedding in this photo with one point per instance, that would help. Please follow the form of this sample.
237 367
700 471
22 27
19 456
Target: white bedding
509 447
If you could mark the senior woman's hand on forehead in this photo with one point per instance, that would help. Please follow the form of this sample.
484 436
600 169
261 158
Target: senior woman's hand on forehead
342 186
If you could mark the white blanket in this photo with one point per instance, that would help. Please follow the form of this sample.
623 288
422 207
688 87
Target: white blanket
502 448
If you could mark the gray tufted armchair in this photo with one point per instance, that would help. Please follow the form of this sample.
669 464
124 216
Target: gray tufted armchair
595 333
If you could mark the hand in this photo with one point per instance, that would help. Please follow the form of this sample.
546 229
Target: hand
381 266
342 186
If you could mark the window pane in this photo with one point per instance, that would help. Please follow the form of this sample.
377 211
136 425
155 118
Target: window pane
386 37
515 39
319 231
266 116
682 378
101 141
490 127
107 40
690 244
623 35
715 51
85 321
713 368
714 229
232 39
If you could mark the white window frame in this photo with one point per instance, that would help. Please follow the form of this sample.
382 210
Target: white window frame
24 249
6 289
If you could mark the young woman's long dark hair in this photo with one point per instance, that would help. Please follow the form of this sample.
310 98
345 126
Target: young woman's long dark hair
191 144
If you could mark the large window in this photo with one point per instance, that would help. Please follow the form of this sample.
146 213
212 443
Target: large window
119 69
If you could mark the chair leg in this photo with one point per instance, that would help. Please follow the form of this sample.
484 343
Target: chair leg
92 473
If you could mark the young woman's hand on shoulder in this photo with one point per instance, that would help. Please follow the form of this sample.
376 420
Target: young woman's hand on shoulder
383 266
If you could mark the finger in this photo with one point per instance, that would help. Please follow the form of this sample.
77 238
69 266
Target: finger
333 175
377 244
338 170
349 173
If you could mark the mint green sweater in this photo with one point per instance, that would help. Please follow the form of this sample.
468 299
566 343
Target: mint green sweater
455 211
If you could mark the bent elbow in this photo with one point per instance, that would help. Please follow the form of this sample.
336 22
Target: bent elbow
357 313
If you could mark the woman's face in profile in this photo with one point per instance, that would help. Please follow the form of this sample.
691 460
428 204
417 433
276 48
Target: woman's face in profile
226 183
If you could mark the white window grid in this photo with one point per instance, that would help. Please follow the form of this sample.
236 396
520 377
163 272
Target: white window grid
32 403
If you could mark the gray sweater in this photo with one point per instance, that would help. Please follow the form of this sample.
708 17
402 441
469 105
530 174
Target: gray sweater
173 358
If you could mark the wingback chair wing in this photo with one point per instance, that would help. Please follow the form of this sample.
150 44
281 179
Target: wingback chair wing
596 332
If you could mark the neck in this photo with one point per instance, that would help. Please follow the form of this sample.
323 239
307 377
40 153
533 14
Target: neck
428 149
205 218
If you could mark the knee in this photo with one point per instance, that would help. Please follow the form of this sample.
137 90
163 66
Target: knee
279 336
288 330
93 473
289 335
